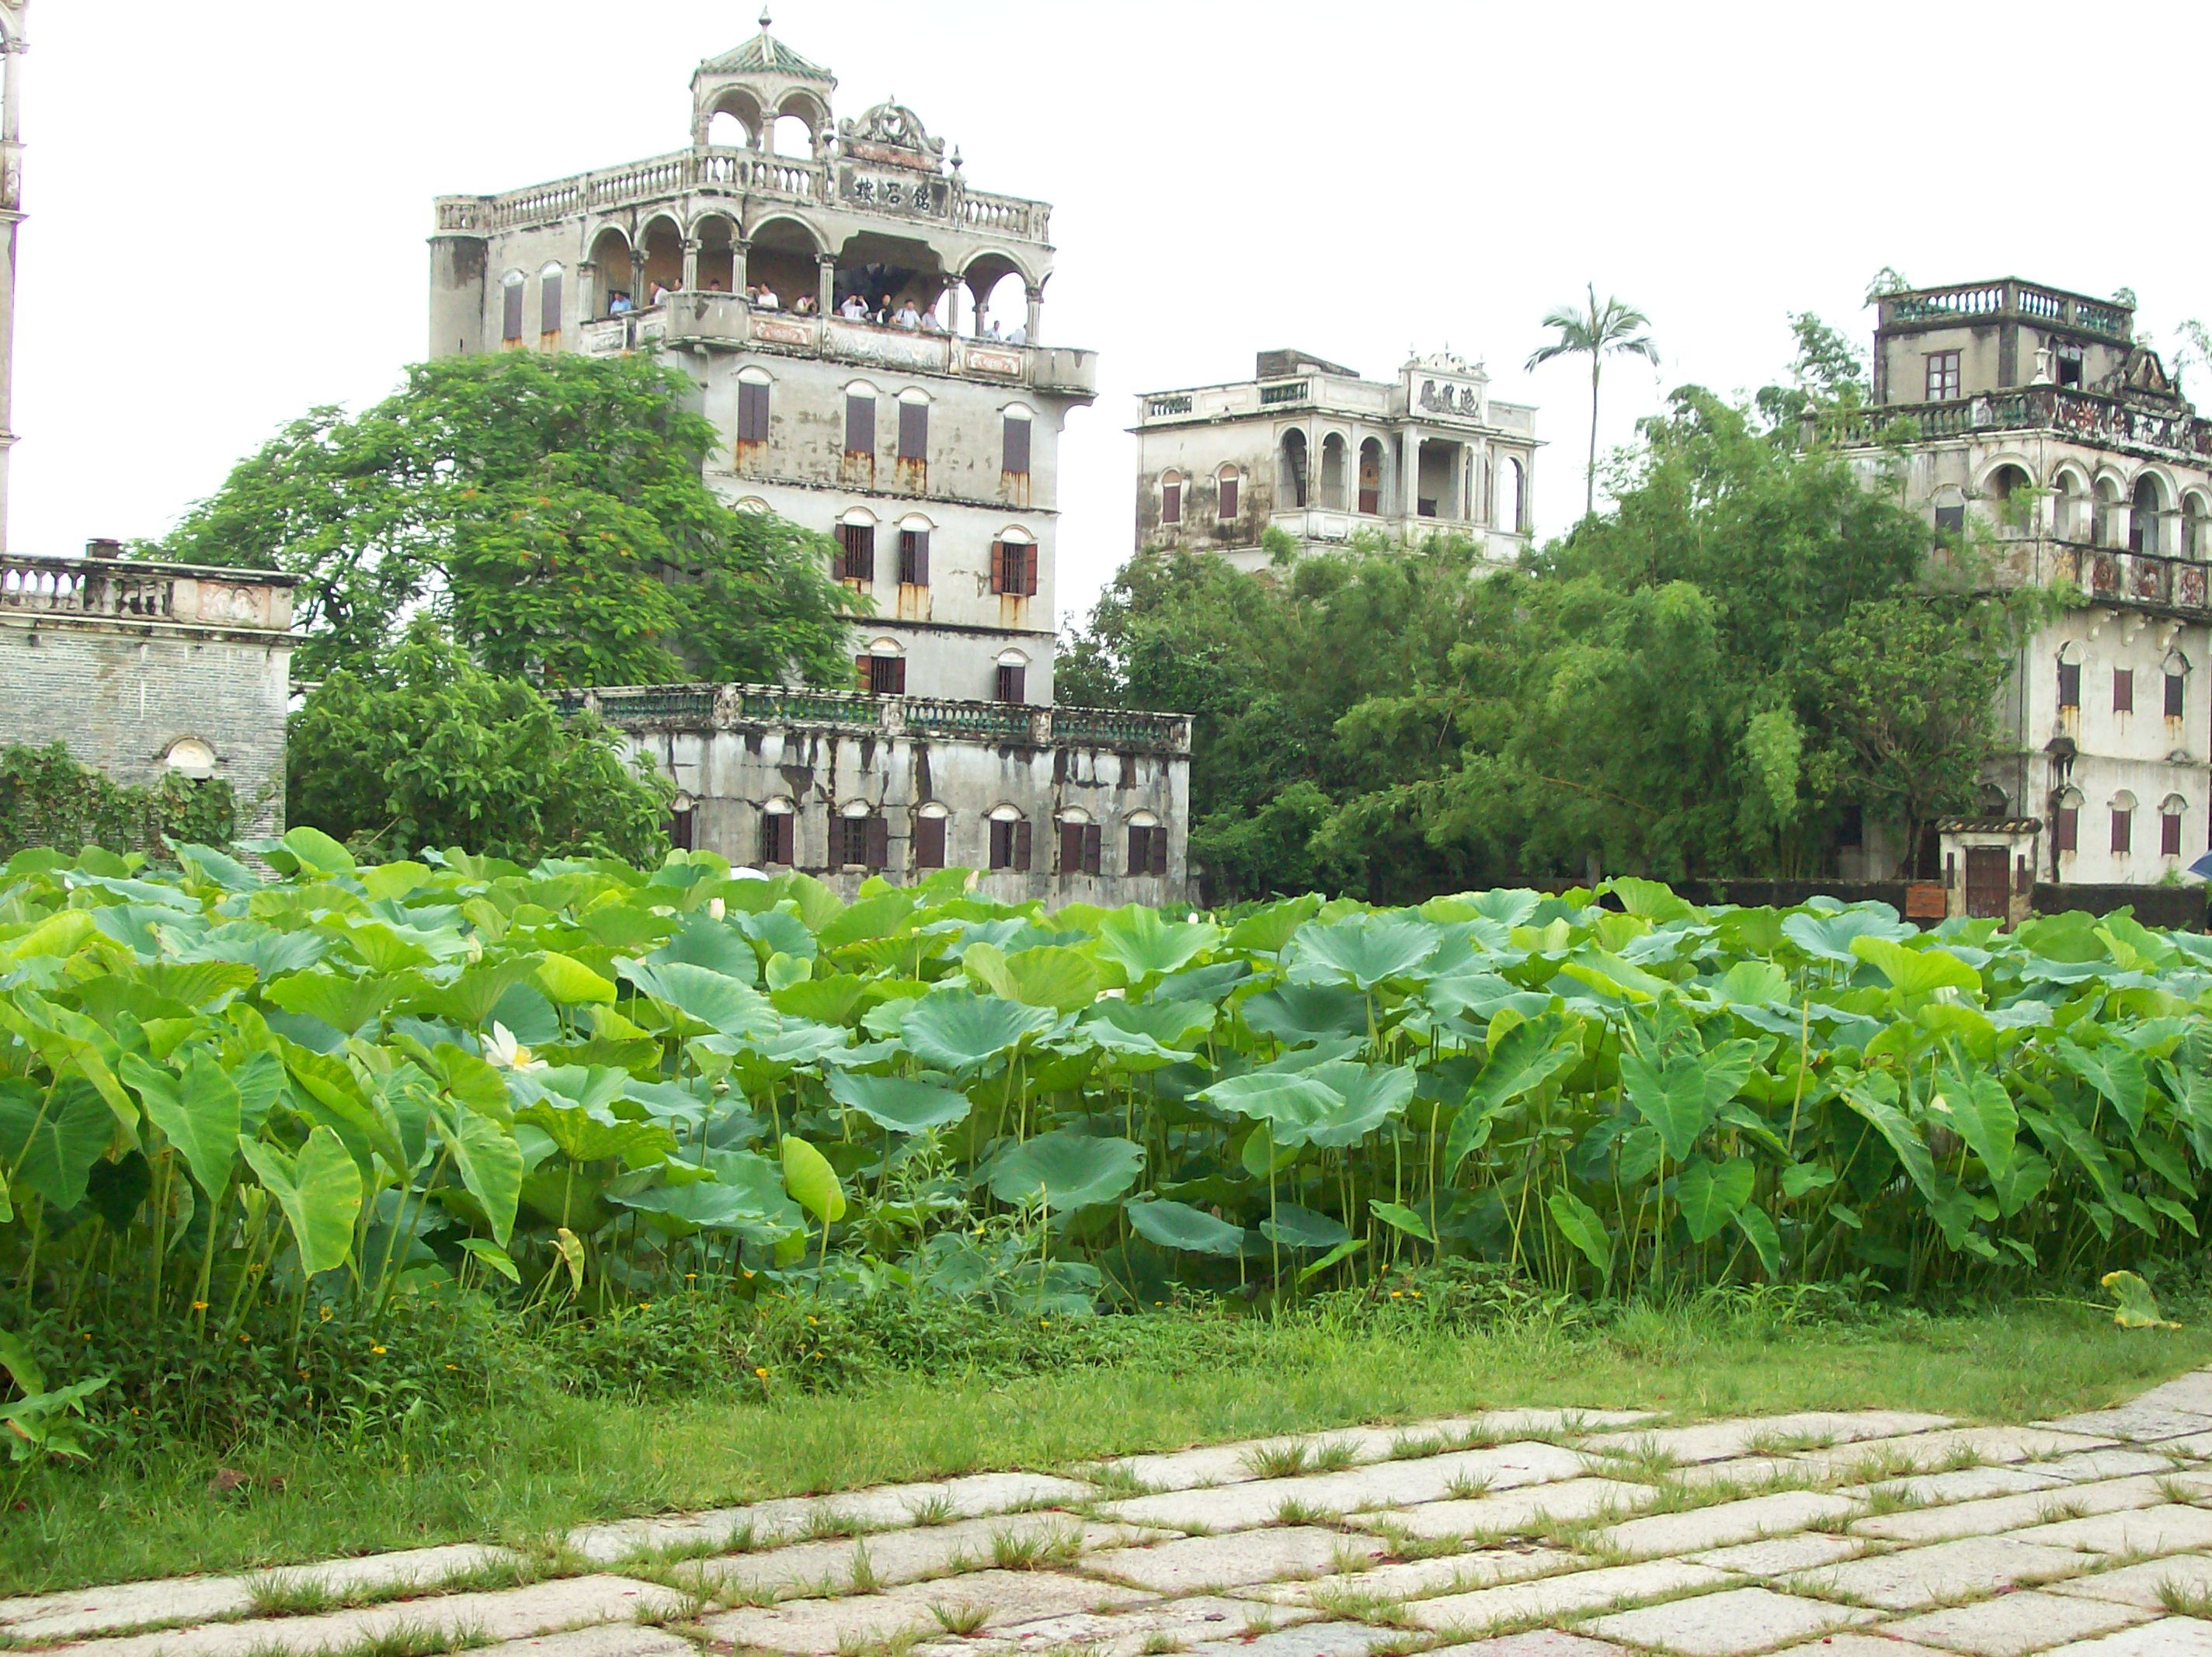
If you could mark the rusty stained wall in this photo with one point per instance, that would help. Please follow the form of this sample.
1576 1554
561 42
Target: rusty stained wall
1199 452
1993 355
732 774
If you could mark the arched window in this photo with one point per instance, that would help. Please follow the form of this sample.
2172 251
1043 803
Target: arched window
1170 499
2070 506
2066 821
753 390
2176 686
882 668
752 503
856 547
2196 527
612 273
1014 563
1512 514
1332 471
913 550
2104 512
683 818
1290 483
793 135
2013 492
188 757
1013 677
1010 839
2171 812
510 313
778 831
1081 843
1228 486
727 131
2146 522
1148 845
1371 476
2124 821
930 824
863 837
548 299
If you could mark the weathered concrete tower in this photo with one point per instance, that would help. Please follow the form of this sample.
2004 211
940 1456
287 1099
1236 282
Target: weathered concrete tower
12 46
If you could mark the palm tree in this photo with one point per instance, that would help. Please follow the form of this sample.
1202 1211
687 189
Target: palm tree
1611 328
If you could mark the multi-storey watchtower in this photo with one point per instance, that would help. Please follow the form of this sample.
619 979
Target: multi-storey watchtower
863 328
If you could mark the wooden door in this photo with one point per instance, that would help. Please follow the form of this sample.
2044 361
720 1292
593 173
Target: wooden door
1989 882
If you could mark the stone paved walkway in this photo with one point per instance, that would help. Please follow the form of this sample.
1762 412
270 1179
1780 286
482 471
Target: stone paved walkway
1519 1533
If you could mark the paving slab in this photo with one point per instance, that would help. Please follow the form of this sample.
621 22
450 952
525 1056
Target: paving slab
1393 1484
1740 1473
2191 1393
2014 1624
1850 1644
1718 1441
2010 1513
606 1640
1308 1640
2117 1462
1209 1465
1537 1642
809 1570
1777 1555
84 1611
2170 1636
2139 1424
1512 1511
1201 1620
2145 1584
1693 1528
2168 1528
1726 1624
1194 1562
487 1619
1968 1485
1563 1595
1948 1450
1920 1576
992 1597
1423 1579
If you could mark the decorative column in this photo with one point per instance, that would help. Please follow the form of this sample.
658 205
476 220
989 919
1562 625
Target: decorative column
637 278
1409 486
1036 308
690 265
739 250
826 290
952 297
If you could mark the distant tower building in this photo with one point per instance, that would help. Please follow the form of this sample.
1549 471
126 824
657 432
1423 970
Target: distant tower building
13 14
1310 448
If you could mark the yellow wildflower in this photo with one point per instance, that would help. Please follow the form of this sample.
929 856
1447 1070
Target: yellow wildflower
377 1351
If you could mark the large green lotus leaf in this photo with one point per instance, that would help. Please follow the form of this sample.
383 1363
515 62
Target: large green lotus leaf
827 1000
883 915
2117 1072
1371 1094
1142 945
209 867
586 1135
1049 975
1916 972
382 947
779 931
199 984
488 1161
714 1001
317 852
1611 976
810 1180
1171 1023
1068 1169
1291 1103
1300 1227
1268 930
318 1190
1648 899
710 1206
269 952
896 1103
472 999
198 1112
1830 937
1128 1050
50 1146
1753 983
344 1004
570 982
1364 950
1712 1194
703 940
1296 1014
954 1029
1186 1229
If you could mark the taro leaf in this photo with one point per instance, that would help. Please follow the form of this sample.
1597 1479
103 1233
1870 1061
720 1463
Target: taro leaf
811 1181
712 1000
1343 1251
115 1191
344 1004
1765 1241
896 1103
955 1029
569 982
1266 931
1179 1226
1142 944
1399 1217
496 1259
1296 1014
1365 951
1671 1098
1799 1178
58 936
1582 1225
1522 1060
1294 1227
1903 1136
488 1159
1712 1194
319 1190
1983 1113
50 1144
2138 1307
2115 1072
1068 1169
198 1112
1916 972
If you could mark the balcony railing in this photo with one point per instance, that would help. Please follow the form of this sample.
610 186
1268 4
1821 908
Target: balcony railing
710 707
2144 579
2061 408
126 591
728 321
717 170
2006 298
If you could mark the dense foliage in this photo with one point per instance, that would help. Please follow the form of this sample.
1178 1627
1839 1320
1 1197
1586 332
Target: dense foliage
550 509
224 1099
421 747
47 798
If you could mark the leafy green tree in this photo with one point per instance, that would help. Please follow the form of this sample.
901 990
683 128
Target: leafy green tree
1612 329
549 509
421 747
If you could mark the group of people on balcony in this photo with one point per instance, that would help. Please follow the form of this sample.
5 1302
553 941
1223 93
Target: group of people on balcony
885 312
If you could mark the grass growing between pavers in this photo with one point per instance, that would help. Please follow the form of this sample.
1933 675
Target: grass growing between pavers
524 1470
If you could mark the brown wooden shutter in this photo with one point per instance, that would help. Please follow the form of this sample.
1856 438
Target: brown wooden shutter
1071 847
2177 696
929 843
860 423
914 557
864 670
1140 851
1226 507
776 837
1011 683
895 677
2169 835
2122 832
998 566
1171 503
1030 569
878 841
1159 848
1016 449
510 317
1094 843
913 431
1024 841
2070 684
549 303
2123 690
752 411
2065 828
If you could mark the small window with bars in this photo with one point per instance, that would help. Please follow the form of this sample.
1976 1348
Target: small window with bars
1942 376
1082 846
1013 682
1010 842
856 553
881 676
863 841
778 833
913 558
1014 568
1148 848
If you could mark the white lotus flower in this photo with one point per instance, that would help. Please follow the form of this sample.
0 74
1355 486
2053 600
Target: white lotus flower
502 1049
716 908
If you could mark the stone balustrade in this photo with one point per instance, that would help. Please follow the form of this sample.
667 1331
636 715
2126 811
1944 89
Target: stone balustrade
126 590
2061 408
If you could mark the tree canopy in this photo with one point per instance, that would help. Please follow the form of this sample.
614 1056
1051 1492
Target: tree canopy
550 510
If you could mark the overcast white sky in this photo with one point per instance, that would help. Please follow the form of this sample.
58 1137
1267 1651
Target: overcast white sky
228 200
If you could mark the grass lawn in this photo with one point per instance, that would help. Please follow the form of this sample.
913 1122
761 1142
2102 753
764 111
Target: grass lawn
527 1469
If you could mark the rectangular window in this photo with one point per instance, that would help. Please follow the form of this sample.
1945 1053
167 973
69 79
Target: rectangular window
913 558
2070 684
1080 844
860 422
865 842
1015 456
2066 828
1014 568
777 837
752 411
2169 833
510 320
929 843
2122 832
549 303
1010 843
1942 376
856 553
681 831
1012 677
2177 696
913 431
2123 690
881 676
1148 849
1171 501
1225 507
1950 520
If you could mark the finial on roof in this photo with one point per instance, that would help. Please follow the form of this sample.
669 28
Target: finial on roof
765 19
